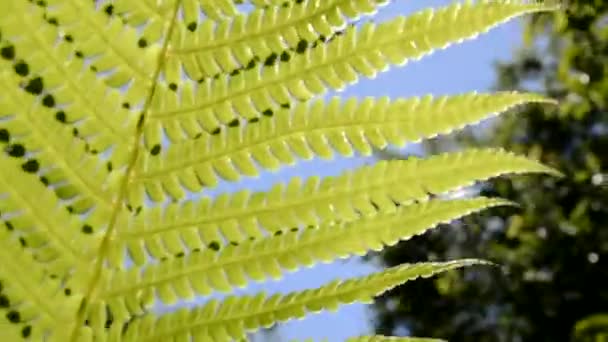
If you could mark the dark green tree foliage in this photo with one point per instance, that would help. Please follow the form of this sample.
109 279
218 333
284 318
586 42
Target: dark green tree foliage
553 253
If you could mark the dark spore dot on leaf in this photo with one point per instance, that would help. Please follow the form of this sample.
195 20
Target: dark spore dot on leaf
173 86
35 86
48 101
214 245
285 56
78 54
13 316
234 243
67 291
68 38
31 166
60 116
285 105
75 132
142 43
196 250
235 72
15 150
44 180
155 150
322 38
5 136
270 59
4 301
216 131
108 323
126 105
41 3
26 331
109 166
22 69
299 1
234 123
251 64
109 9
140 121
8 52
254 120
9 225
278 232
302 45
87 229
192 26
179 255
52 21
294 229
267 112
22 241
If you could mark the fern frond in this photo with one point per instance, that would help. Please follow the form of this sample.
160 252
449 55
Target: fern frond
99 99
368 189
365 50
202 273
67 91
34 304
310 130
151 15
31 212
39 142
154 16
120 55
234 316
264 35
379 338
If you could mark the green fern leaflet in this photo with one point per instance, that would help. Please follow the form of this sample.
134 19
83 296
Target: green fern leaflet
118 116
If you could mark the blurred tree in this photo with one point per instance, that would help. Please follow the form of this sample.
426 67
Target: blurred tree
553 251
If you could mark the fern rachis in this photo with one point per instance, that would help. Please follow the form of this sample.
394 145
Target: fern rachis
116 115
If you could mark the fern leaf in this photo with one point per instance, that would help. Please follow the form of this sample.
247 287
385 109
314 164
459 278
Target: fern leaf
235 316
365 50
127 61
41 69
201 273
34 304
236 218
379 338
97 102
151 15
30 211
310 130
34 138
259 37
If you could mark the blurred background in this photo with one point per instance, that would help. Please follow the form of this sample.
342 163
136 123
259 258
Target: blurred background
553 281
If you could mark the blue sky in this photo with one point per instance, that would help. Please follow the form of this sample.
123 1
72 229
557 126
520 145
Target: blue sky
461 68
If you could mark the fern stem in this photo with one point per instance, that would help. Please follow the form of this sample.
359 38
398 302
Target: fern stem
104 246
